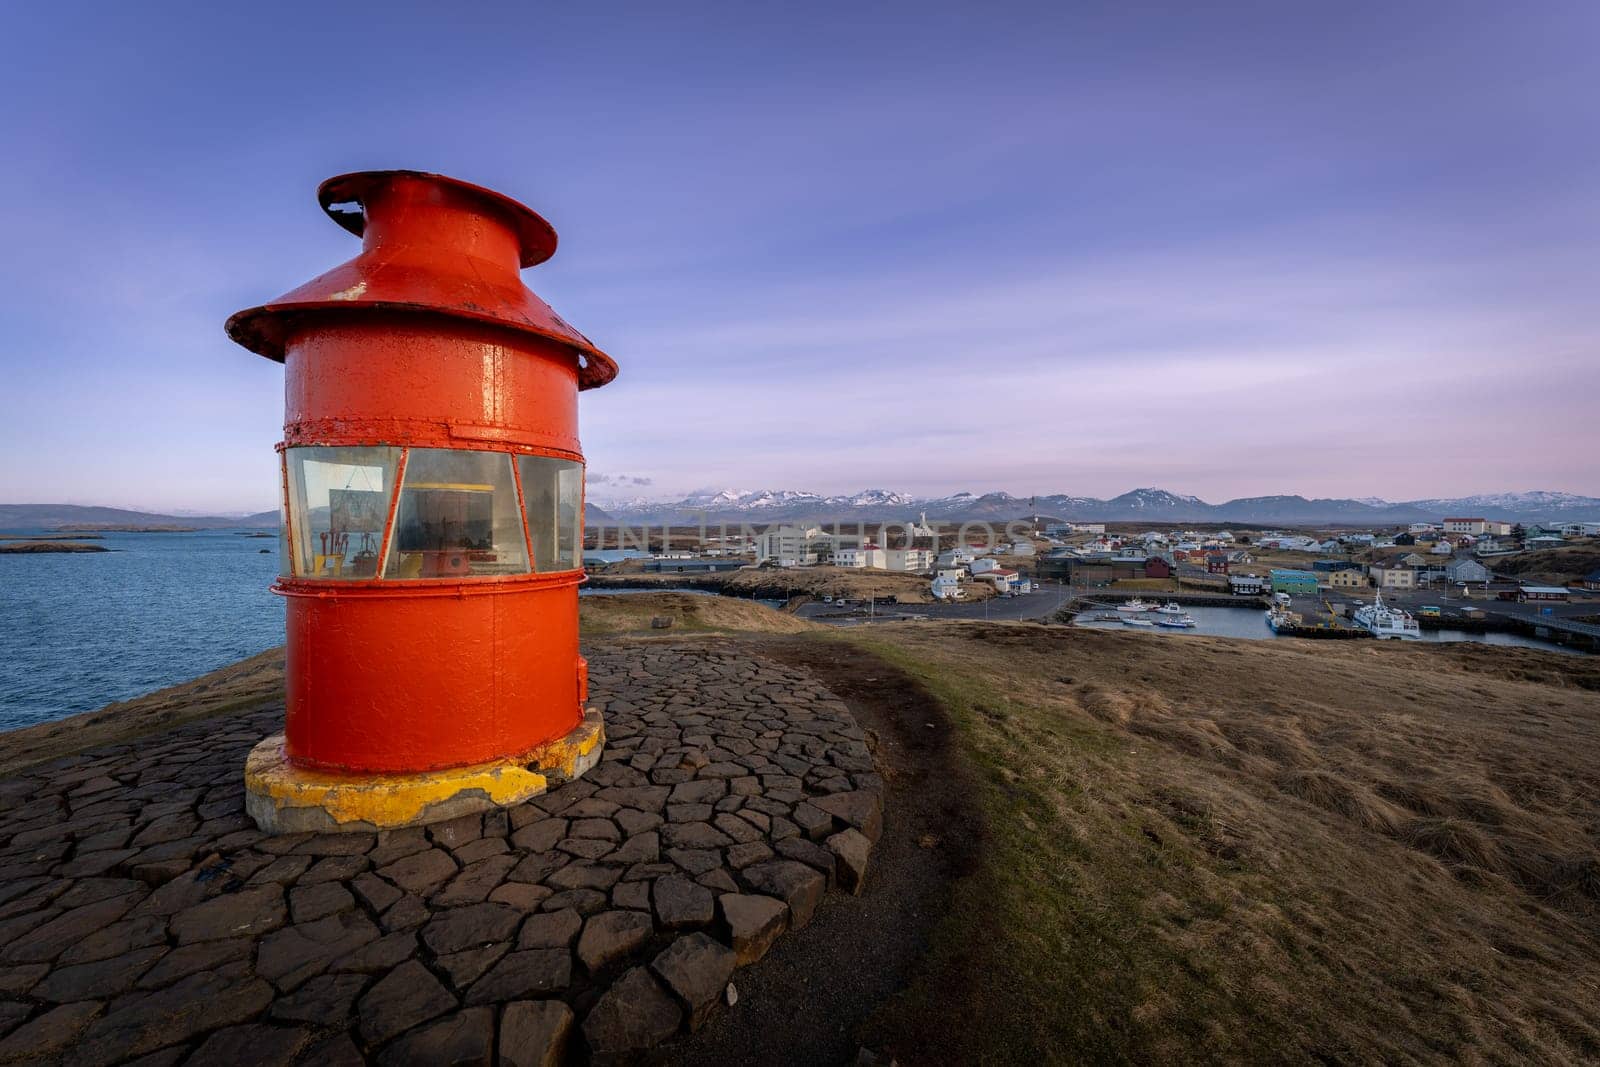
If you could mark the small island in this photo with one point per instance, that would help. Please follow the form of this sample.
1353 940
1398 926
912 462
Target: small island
111 527
50 546
50 537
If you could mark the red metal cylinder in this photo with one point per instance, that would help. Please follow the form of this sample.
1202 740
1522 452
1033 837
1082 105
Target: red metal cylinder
433 483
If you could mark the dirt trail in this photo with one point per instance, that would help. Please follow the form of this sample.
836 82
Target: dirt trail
808 1001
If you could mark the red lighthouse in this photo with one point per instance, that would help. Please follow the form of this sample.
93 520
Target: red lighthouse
432 485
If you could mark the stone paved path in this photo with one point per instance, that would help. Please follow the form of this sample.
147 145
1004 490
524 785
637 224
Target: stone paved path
144 919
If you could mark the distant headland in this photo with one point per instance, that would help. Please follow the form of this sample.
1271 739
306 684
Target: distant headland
116 527
79 517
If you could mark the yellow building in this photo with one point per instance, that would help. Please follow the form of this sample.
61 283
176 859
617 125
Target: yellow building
1349 578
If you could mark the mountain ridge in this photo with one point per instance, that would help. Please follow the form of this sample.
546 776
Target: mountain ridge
1145 503
879 505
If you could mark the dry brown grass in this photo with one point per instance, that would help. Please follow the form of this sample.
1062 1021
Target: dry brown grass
843 581
1551 566
626 612
1265 850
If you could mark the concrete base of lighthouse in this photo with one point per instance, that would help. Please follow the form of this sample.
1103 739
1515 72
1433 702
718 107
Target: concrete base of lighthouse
285 799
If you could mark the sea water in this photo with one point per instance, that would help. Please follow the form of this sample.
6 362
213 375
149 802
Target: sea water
80 630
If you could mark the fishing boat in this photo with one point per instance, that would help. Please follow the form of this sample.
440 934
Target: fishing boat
1171 607
1137 622
1177 622
1133 607
1386 623
1280 619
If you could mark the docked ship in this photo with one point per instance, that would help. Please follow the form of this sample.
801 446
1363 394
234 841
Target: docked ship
1177 622
1133 607
1281 618
1384 622
1171 607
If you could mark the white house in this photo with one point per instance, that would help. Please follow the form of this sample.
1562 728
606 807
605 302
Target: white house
1246 584
1020 548
958 556
983 566
790 544
947 586
865 556
1441 548
1466 526
1096 528
915 560
1002 578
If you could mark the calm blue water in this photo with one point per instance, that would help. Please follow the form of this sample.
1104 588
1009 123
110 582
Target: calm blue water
78 631
1252 623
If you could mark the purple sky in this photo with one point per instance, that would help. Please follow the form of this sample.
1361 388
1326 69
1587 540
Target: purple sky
1225 249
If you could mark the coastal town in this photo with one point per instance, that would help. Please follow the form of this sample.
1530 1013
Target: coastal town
1461 574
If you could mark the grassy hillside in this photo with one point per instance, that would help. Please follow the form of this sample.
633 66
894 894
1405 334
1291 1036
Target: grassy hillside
1262 851
843 581
1554 566
688 611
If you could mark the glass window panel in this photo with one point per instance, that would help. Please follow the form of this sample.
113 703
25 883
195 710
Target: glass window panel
285 565
457 517
552 491
338 502
569 507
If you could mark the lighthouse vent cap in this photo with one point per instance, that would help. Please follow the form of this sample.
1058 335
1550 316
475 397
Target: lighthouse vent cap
466 267
536 238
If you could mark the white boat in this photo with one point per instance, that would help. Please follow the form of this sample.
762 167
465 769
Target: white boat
1282 619
1137 622
1178 622
1133 607
1386 623
1171 607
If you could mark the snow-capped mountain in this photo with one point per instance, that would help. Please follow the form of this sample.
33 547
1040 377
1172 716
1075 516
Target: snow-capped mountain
1146 504
1540 501
1155 501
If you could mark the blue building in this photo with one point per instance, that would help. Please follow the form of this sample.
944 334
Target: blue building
1295 582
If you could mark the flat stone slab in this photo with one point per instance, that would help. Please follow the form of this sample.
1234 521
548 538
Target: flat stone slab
143 914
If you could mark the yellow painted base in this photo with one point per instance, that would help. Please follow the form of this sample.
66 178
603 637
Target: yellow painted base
283 798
